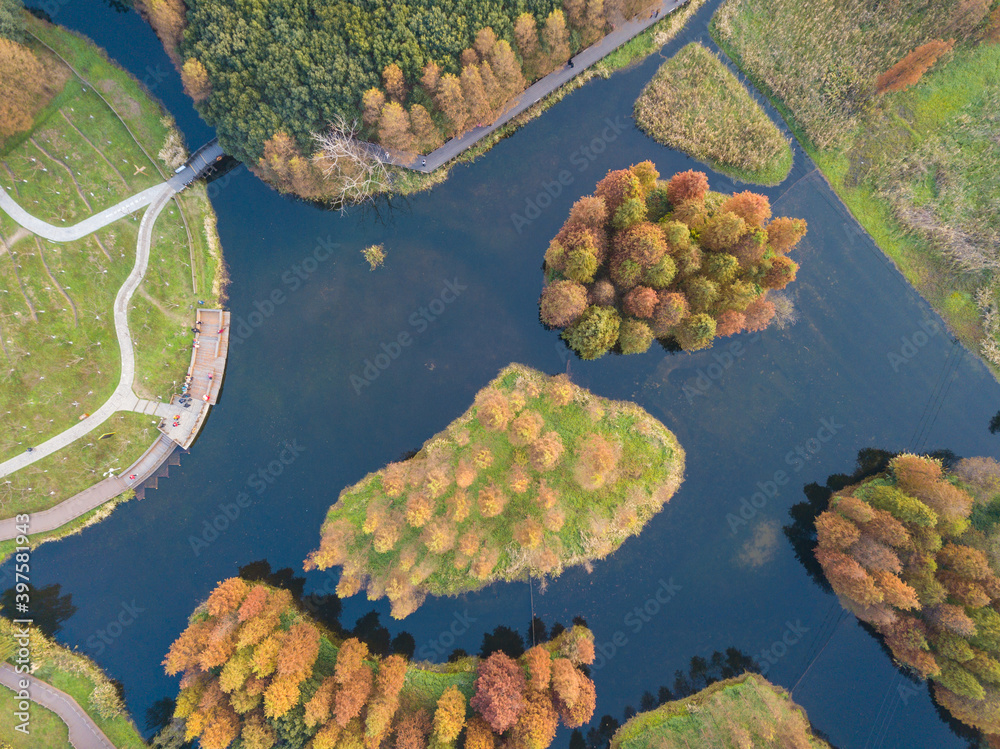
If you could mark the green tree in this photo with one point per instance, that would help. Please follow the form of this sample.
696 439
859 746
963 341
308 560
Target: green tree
595 333
12 20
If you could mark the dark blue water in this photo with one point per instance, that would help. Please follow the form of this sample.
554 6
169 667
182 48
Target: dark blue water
786 408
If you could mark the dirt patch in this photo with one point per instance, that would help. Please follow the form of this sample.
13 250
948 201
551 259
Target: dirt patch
124 105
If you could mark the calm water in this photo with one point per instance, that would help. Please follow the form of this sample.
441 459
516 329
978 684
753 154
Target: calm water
824 386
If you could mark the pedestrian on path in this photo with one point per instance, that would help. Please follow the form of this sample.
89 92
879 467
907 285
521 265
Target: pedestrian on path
132 477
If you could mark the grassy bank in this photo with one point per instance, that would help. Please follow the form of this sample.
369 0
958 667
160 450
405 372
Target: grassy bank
742 712
917 167
98 141
47 728
695 105
81 679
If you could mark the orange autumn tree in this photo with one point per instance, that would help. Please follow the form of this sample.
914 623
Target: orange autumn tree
643 259
254 667
910 552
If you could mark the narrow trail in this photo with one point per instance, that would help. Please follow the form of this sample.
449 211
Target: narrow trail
59 288
99 151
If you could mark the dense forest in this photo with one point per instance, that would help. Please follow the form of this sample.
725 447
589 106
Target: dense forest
914 552
538 475
270 75
258 673
642 259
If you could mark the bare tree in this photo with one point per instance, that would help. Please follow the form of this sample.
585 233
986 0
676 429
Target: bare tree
360 169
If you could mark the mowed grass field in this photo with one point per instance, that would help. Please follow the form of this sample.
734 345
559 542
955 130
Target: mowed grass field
920 167
695 105
743 712
59 356
47 731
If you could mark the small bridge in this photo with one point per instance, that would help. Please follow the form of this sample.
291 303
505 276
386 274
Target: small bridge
200 164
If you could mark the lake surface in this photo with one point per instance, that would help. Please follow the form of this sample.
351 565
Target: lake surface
825 386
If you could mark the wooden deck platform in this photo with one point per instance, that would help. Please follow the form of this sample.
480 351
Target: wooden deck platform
204 379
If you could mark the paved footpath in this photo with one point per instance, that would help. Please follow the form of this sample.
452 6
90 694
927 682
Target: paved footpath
122 399
538 90
83 731
85 227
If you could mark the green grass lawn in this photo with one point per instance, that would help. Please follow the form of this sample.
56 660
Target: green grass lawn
743 712
920 168
695 105
59 349
47 731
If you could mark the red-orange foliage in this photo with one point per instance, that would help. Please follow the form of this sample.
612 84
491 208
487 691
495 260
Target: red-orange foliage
392 79
492 409
500 687
617 187
641 302
413 730
965 561
350 659
874 555
950 617
853 508
546 451
781 273
759 314
643 243
964 591
562 302
848 577
221 729
227 596
574 714
885 528
753 208
299 650
784 233
186 650
689 185
578 647
319 705
525 428
730 322
911 68
253 605
539 668
491 501
897 593
350 699
835 531
419 508
382 708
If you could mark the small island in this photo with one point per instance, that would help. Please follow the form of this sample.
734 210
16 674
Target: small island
695 105
642 259
747 711
912 552
259 672
538 475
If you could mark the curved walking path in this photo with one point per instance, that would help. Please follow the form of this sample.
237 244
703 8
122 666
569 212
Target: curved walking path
88 225
537 91
83 731
122 399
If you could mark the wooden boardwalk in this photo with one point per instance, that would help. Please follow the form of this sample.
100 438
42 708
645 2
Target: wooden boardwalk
208 367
